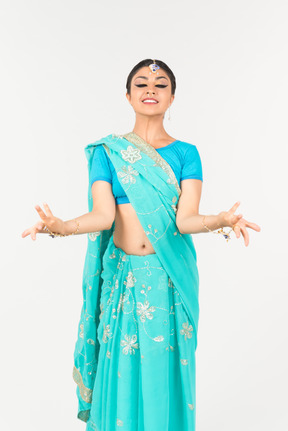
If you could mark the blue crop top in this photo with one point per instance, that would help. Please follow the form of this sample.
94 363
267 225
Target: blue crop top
183 158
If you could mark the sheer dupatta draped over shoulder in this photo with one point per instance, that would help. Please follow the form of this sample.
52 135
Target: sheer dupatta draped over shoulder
153 190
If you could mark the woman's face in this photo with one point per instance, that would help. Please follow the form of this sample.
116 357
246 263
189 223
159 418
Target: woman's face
146 84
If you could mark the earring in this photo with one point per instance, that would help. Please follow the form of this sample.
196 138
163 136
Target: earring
169 118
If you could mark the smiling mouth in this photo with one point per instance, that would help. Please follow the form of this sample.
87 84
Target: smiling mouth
150 102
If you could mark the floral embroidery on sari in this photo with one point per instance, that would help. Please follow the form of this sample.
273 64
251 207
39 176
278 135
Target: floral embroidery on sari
130 280
130 344
151 152
186 331
159 338
153 193
131 155
145 311
128 175
93 235
106 333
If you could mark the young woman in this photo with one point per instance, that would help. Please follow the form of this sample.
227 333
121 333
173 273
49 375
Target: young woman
134 360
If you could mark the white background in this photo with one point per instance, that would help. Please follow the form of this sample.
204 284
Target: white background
64 66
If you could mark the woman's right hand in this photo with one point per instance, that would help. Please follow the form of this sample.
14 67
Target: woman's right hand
54 224
237 223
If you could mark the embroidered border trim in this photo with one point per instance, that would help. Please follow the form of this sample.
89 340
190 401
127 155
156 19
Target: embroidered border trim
148 149
86 393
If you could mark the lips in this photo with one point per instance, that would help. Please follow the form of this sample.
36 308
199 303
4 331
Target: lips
149 100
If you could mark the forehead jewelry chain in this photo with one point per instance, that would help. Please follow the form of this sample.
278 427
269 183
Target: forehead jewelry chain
153 66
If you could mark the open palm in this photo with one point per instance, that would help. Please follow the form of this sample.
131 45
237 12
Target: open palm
238 223
53 223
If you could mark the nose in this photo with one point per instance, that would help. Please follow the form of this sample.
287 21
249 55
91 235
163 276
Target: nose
150 91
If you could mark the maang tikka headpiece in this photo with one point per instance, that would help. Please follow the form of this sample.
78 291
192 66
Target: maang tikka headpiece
153 66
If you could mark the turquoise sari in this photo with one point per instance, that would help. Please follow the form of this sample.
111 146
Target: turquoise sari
153 190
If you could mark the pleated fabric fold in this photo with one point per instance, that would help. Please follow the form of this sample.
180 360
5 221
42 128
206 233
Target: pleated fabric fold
146 369
134 358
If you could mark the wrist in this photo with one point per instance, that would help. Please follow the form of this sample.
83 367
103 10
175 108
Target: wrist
70 227
220 220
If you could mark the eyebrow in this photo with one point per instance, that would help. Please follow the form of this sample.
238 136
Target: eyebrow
145 77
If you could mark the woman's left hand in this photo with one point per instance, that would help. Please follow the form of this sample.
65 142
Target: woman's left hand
238 223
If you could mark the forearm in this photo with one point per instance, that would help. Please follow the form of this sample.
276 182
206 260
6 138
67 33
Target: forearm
193 223
89 222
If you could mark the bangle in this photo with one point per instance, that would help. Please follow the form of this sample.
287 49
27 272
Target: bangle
219 231
53 234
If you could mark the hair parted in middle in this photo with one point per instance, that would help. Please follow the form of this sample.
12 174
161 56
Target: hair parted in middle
147 62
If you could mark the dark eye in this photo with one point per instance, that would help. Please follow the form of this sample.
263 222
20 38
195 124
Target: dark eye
144 85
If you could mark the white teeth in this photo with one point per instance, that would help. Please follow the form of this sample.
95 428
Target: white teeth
149 101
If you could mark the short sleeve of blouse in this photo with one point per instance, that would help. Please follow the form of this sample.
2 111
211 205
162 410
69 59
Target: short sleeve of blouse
192 166
100 169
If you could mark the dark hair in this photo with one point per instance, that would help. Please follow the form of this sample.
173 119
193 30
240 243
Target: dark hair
147 62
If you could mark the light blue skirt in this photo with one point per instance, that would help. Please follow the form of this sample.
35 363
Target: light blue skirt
145 378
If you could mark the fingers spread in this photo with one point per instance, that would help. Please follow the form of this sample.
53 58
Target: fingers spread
245 236
235 206
26 232
33 234
252 225
237 230
40 212
47 209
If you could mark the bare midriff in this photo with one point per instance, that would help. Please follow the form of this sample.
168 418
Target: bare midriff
129 233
